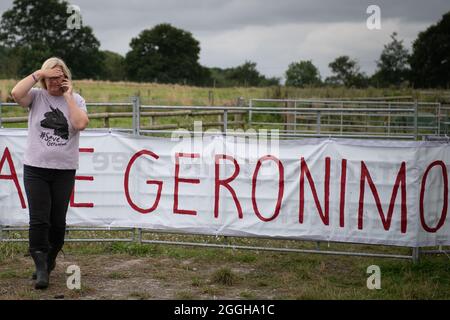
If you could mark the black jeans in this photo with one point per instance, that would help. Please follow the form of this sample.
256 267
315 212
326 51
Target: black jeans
48 192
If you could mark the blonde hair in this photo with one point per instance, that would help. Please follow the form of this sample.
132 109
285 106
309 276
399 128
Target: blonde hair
52 63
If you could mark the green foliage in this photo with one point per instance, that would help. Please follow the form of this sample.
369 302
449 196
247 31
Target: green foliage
134 249
245 75
346 72
9 67
393 64
37 30
301 74
32 31
114 66
165 54
430 59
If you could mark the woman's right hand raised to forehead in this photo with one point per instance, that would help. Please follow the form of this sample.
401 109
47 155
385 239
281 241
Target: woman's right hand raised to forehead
52 73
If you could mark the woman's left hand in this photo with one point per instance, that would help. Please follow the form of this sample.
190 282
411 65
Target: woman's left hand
67 87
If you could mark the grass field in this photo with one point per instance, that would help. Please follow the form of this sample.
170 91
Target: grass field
146 271
160 94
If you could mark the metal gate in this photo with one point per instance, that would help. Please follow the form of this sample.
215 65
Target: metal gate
292 118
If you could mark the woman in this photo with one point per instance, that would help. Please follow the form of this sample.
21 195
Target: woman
56 116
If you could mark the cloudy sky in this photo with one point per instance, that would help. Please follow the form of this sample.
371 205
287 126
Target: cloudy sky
272 33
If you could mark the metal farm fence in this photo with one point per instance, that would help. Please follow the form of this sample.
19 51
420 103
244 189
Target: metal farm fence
293 118
353 119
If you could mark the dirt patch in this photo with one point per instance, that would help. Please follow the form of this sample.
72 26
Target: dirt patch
122 277
112 272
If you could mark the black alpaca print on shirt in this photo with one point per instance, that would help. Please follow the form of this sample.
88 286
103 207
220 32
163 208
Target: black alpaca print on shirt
56 120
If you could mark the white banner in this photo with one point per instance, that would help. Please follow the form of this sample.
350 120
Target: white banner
362 191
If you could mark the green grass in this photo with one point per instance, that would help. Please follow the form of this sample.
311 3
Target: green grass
184 295
161 94
224 276
134 249
118 275
11 250
300 276
289 275
11 274
267 274
139 295
247 295
196 282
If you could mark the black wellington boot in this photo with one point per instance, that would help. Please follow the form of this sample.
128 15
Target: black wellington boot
51 260
40 260
52 254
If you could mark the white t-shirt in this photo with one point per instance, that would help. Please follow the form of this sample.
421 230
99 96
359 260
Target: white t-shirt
52 141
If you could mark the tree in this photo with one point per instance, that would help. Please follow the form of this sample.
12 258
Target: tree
245 74
393 64
269 82
37 30
114 66
303 73
219 77
165 54
430 59
346 72
9 65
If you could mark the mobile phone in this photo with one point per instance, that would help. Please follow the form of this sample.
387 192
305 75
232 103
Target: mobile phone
62 88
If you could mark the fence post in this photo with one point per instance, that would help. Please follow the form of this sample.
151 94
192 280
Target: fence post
211 97
295 117
139 235
416 125
136 126
290 117
138 108
389 120
415 254
1 125
318 122
438 119
225 121
136 115
250 105
238 115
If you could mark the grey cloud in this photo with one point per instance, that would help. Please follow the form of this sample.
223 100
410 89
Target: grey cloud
253 29
207 15
210 15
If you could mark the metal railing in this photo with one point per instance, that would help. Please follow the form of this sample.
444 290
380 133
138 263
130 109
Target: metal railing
361 119
293 118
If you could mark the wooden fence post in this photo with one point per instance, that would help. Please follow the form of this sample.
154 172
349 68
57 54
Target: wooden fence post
290 118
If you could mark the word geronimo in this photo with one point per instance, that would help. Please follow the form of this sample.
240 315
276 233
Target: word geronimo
304 184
